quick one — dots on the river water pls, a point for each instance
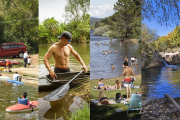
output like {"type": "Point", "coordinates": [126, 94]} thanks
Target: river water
{"type": "Point", "coordinates": [159, 81]}
{"type": "Point", "coordinates": [101, 63]}
{"type": "Point", "coordinates": [11, 92]}
{"type": "Point", "coordinates": [69, 103]}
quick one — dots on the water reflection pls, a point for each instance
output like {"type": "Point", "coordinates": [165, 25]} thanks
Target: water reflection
{"type": "Point", "coordinates": [60, 108]}
{"type": "Point", "coordinates": [159, 81]}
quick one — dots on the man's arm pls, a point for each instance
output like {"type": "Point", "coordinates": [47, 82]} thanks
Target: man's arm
{"type": "Point", "coordinates": [77, 56]}
{"type": "Point", "coordinates": [123, 72]}
{"type": "Point", "coordinates": [46, 62]}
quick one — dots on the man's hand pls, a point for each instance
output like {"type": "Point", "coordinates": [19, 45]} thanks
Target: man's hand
{"type": "Point", "coordinates": [52, 74]}
{"type": "Point", "coordinates": [85, 69]}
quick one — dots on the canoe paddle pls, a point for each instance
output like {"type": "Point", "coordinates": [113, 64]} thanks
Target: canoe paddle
{"type": "Point", "coordinates": [61, 91]}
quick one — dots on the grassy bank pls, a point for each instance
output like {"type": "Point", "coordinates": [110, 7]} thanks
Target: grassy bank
{"type": "Point", "coordinates": [106, 112]}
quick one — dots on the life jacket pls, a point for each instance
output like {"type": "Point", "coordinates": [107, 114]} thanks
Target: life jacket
{"type": "Point", "coordinates": [23, 101]}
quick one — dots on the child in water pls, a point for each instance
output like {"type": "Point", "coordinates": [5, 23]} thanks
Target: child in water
{"type": "Point", "coordinates": [24, 100]}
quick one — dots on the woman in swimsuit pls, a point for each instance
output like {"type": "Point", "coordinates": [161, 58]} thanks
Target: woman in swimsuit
{"type": "Point", "coordinates": [104, 99]}
{"type": "Point", "coordinates": [116, 86]}
{"type": "Point", "coordinates": [101, 85]}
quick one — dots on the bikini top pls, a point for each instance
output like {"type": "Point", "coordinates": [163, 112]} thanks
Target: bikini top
{"type": "Point", "coordinates": [102, 84]}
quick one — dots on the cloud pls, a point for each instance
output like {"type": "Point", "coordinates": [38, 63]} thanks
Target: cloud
{"type": "Point", "coordinates": [102, 11]}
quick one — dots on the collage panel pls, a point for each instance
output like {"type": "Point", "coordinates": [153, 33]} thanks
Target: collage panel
{"type": "Point", "coordinates": [18, 60]}
{"type": "Point", "coordinates": [64, 50]}
{"type": "Point", "coordinates": [115, 60]}
{"type": "Point", "coordinates": [160, 60]}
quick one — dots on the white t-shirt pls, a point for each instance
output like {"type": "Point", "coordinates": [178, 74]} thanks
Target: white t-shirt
{"type": "Point", "coordinates": [29, 60]}
{"type": "Point", "coordinates": [25, 55]}
{"type": "Point", "coordinates": [132, 58]}
{"type": "Point", "coordinates": [15, 76]}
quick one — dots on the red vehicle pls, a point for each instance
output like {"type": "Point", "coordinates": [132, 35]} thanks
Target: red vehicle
{"type": "Point", "coordinates": [12, 49]}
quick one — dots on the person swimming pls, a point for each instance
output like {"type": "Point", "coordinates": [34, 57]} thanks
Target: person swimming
{"type": "Point", "coordinates": [116, 51]}
{"type": "Point", "coordinates": [110, 51]}
{"type": "Point", "coordinates": [112, 66]}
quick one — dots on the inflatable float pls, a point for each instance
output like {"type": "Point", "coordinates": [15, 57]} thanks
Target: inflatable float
{"type": "Point", "coordinates": [14, 81]}
{"type": "Point", "coordinates": [23, 108]}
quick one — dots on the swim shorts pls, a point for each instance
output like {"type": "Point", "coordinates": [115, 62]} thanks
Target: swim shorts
{"type": "Point", "coordinates": [59, 70]}
{"type": "Point", "coordinates": [127, 85]}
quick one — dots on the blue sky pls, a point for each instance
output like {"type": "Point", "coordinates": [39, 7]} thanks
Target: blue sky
{"type": "Point", "coordinates": [161, 30]}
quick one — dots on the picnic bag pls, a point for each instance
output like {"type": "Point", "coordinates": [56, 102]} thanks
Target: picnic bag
{"type": "Point", "coordinates": [118, 97]}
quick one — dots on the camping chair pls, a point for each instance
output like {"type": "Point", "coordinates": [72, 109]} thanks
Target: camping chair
{"type": "Point", "coordinates": [135, 102]}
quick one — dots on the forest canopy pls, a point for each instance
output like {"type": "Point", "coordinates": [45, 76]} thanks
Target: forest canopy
{"type": "Point", "coordinates": [19, 23]}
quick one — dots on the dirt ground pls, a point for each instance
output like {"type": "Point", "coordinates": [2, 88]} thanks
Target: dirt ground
{"type": "Point", "coordinates": [32, 71]}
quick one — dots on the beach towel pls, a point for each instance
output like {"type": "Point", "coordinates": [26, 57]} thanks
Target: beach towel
{"type": "Point", "coordinates": [96, 101]}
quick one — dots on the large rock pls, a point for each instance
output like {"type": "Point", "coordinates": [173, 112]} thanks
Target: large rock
{"type": "Point", "coordinates": [155, 60]}
{"type": "Point", "coordinates": [171, 58]}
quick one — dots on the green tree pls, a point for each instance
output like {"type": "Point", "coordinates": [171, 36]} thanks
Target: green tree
{"type": "Point", "coordinates": [22, 27]}
{"type": "Point", "coordinates": [127, 18]}
{"type": "Point", "coordinates": [76, 10]}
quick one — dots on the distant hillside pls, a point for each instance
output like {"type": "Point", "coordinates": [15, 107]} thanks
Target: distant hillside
{"type": "Point", "coordinates": [93, 20]}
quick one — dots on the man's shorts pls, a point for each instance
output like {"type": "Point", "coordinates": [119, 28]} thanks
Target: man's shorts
{"type": "Point", "coordinates": [59, 70]}
{"type": "Point", "coordinates": [127, 85]}
{"type": "Point", "coordinates": [29, 63]}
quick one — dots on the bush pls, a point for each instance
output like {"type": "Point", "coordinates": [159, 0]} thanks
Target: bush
{"type": "Point", "coordinates": [101, 30]}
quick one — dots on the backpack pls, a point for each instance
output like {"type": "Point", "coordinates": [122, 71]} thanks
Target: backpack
{"type": "Point", "coordinates": [118, 97]}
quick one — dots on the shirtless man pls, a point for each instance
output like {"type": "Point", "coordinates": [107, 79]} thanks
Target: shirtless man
{"type": "Point", "coordinates": [61, 51]}
{"type": "Point", "coordinates": [127, 80]}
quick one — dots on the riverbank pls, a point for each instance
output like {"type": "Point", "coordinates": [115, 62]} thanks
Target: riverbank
{"type": "Point", "coordinates": [107, 112]}
{"type": "Point", "coordinates": [29, 75]}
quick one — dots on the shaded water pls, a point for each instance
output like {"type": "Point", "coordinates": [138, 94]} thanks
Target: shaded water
{"type": "Point", "coordinates": [159, 81]}
{"type": "Point", "coordinates": [11, 92]}
{"type": "Point", "coordinates": [101, 63]}
{"type": "Point", "coordinates": [48, 110]}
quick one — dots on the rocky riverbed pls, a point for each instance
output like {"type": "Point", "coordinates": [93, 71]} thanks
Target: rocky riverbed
{"type": "Point", "coordinates": [161, 109]}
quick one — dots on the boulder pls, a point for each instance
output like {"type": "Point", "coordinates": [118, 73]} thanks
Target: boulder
{"type": "Point", "coordinates": [155, 60]}
{"type": "Point", "coordinates": [171, 58]}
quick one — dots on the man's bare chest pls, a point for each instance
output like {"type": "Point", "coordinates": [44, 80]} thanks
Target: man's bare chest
{"type": "Point", "coordinates": [61, 52]}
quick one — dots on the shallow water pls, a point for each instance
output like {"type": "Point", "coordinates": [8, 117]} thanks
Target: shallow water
{"type": "Point", "coordinates": [54, 109]}
{"type": "Point", "coordinates": [159, 81]}
{"type": "Point", "coordinates": [11, 92]}
{"type": "Point", "coordinates": [101, 63]}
